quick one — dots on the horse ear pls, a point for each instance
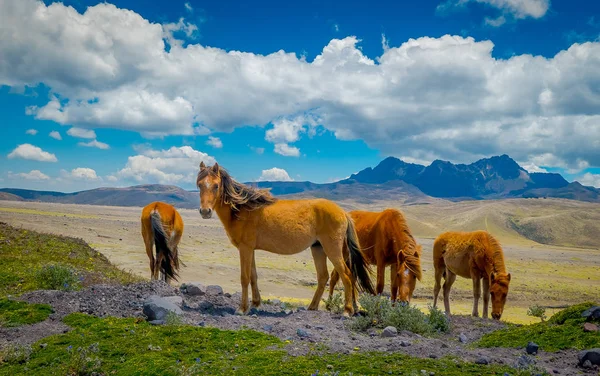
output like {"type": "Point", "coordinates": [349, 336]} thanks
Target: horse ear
{"type": "Point", "coordinates": [202, 166]}
{"type": "Point", "coordinates": [215, 168]}
{"type": "Point", "coordinates": [492, 276]}
{"type": "Point", "coordinates": [508, 277]}
{"type": "Point", "coordinates": [400, 257]}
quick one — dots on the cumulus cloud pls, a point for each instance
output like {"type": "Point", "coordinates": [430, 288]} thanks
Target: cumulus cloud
{"type": "Point", "coordinates": [171, 166]}
{"type": "Point", "coordinates": [188, 7]}
{"type": "Point", "coordinates": [81, 133]}
{"type": "Point", "coordinates": [532, 167]}
{"type": "Point", "coordinates": [590, 179]}
{"type": "Point", "coordinates": [31, 175]}
{"type": "Point", "coordinates": [275, 174]}
{"type": "Point", "coordinates": [32, 132]}
{"type": "Point", "coordinates": [94, 144]}
{"type": "Point", "coordinates": [55, 135]}
{"type": "Point", "coordinates": [215, 142]}
{"type": "Point", "coordinates": [427, 98]}
{"type": "Point", "coordinates": [31, 152]}
{"type": "Point", "coordinates": [518, 9]}
{"type": "Point", "coordinates": [81, 173]}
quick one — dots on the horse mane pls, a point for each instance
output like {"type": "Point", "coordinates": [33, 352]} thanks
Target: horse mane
{"type": "Point", "coordinates": [413, 263]}
{"type": "Point", "coordinates": [412, 252]}
{"type": "Point", "coordinates": [237, 195]}
{"type": "Point", "coordinates": [497, 255]}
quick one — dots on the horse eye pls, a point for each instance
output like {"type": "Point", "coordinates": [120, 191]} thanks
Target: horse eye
{"type": "Point", "coordinates": [216, 186]}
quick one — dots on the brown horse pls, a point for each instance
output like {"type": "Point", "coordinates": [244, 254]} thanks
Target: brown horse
{"type": "Point", "coordinates": [162, 227]}
{"type": "Point", "coordinates": [386, 240]}
{"type": "Point", "coordinates": [254, 219]}
{"type": "Point", "coordinates": [474, 255]}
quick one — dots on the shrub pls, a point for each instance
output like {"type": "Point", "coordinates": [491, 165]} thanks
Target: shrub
{"type": "Point", "coordinates": [15, 354]}
{"type": "Point", "coordinates": [57, 277]}
{"type": "Point", "coordinates": [83, 362]}
{"type": "Point", "coordinates": [438, 320]}
{"type": "Point", "coordinates": [537, 311]}
{"type": "Point", "coordinates": [173, 319]}
{"type": "Point", "coordinates": [573, 312]}
{"type": "Point", "coordinates": [334, 303]}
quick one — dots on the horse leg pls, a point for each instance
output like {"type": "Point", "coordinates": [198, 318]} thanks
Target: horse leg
{"type": "Point", "coordinates": [439, 273]}
{"type": "Point", "coordinates": [254, 284]}
{"type": "Point", "coordinates": [157, 265]}
{"type": "Point", "coordinates": [322, 276]}
{"type": "Point", "coordinates": [476, 293]}
{"type": "Point", "coordinates": [333, 280]}
{"type": "Point", "coordinates": [394, 281]}
{"type": "Point", "coordinates": [334, 250]}
{"type": "Point", "coordinates": [380, 276]}
{"type": "Point", "coordinates": [246, 257]}
{"type": "Point", "coordinates": [450, 278]}
{"type": "Point", "coordinates": [486, 296]}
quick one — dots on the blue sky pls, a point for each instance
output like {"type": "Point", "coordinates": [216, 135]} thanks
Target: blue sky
{"type": "Point", "coordinates": [140, 92]}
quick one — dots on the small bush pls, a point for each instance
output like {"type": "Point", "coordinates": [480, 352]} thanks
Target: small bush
{"type": "Point", "coordinates": [573, 312]}
{"type": "Point", "coordinates": [173, 319]}
{"type": "Point", "coordinates": [83, 361]}
{"type": "Point", "coordinates": [537, 311]}
{"type": "Point", "coordinates": [57, 277]}
{"type": "Point", "coordinates": [334, 303]}
{"type": "Point", "coordinates": [15, 354]}
{"type": "Point", "coordinates": [438, 320]}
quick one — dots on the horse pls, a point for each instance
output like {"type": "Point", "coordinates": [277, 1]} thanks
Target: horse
{"type": "Point", "coordinates": [386, 240]}
{"type": "Point", "coordinates": [254, 219]}
{"type": "Point", "coordinates": [162, 227]}
{"type": "Point", "coordinates": [475, 255]}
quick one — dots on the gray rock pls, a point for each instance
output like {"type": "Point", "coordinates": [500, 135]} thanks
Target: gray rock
{"type": "Point", "coordinates": [319, 327]}
{"type": "Point", "coordinates": [524, 362]}
{"type": "Point", "coordinates": [482, 360]}
{"type": "Point", "coordinates": [389, 331]}
{"type": "Point", "coordinates": [587, 364]}
{"type": "Point", "coordinates": [593, 356]}
{"type": "Point", "coordinates": [202, 323]}
{"type": "Point", "coordinates": [268, 328]}
{"type": "Point", "coordinates": [156, 322]}
{"type": "Point", "coordinates": [433, 356]}
{"type": "Point", "coordinates": [302, 333]}
{"type": "Point", "coordinates": [177, 300]}
{"type": "Point", "coordinates": [205, 305]}
{"type": "Point", "coordinates": [276, 302]}
{"type": "Point", "coordinates": [463, 338]}
{"type": "Point", "coordinates": [301, 309]}
{"type": "Point", "coordinates": [195, 289]}
{"type": "Point", "coordinates": [157, 308]}
{"type": "Point", "coordinates": [214, 290]}
{"type": "Point", "coordinates": [592, 313]}
{"type": "Point", "coordinates": [405, 343]}
{"type": "Point", "coordinates": [532, 348]}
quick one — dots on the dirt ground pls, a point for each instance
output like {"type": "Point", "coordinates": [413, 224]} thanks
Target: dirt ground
{"type": "Point", "coordinates": [545, 275]}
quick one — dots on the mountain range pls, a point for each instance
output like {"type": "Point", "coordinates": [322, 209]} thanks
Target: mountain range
{"type": "Point", "coordinates": [392, 179]}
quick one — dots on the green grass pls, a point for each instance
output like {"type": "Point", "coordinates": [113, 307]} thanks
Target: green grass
{"type": "Point", "coordinates": [564, 330]}
{"type": "Point", "coordinates": [24, 254]}
{"type": "Point", "coordinates": [132, 347]}
{"type": "Point", "coordinates": [16, 313]}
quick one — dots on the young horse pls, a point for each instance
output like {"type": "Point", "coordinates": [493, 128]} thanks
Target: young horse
{"type": "Point", "coordinates": [253, 219]}
{"type": "Point", "coordinates": [162, 226]}
{"type": "Point", "coordinates": [386, 240]}
{"type": "Point", "coordinates": [473, 255]}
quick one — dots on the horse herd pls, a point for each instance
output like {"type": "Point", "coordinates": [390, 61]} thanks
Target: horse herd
{"type": "Point", "coordinates": [254, 219]}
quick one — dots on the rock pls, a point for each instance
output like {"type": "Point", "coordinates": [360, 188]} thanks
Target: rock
{"type": "Point", "coordinates": [268, 328]}
{"type": "Point", "coordinates": [157, 308]}
{"type": "Point", "coordinates": [462, 338]}
{"type": "Point", "coordinates": [592, 313]}
{"type": "Point", "coordinates": [195, 289]}
{"type": "Point", "coordinates": [589, 327]}
{"type": "Point", "coordinates": [389, 331]}
{"type": "Point", "coordinates": [156, 322]}
{"type": "Point", "coordinates": [405, 343]}
{"type": "Point", "coordinates": [329, 366]}
{"type": "Point", "coordinates": [43, 345]}
{"type": "Point", "coordinates": [177, 300]}
{"type": "Point", "coordinates": [302, 333]}
{"type": "Point", "coordinates": [214, 290]}
{"type": "Point", "coordinates": [205, 305]}
{"type": "Point", "coordinates": [202, 323]}
{"type": "Point", "coordinates": [301, 309]}
{"type": "Point", "coordinates": [524, 362]}
{"type": "Point", "coordinates": [587, 364]}
{"type": "Point", "coordinates": [319, 327]}
{"type": "Point", "coordinates": [482, 360]}
{"type": "Point", "coordinates": [276, 302]}
{"type": "Point", "coordinates": [433, 356]}
{"type": "Point", "coordinates": [532, 348]}
{"type": "Point", "coordinates": [593, 356]}
{"type": "Point", "coordinates": [444, 346]}
{"type": "Point", "coordinates": [556, 372]}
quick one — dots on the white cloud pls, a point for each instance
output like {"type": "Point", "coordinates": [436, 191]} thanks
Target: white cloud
{"type": "Point", "coordinates": [81, 133]}
{"type": "Point", "coordinates": [81, 173]}
{"type": "Point", "coordinates": [32, 132]}
{"type": "Point", "coordinates": [188, 7]}
{"type": "Point", "coordinates": [55, 135]}
{"type": "Point", "coordinates": [532, 167]}
{"type": "Point", "coordinates": [31, 175]}
{"type": "Point", "coordinates": [31, 152]}
{"type": "Point", "coordinates": [590, 179]}
{"type": "Point", "coordinates": [518, 9]}
{"type": "Point", "coordinates": [171, 166]}
{"type": "Point", "coordinates": [287, 150]}
{"type": "Point", "coordinates": [94, 144]}
{"type": "Point", "coordinates": [275, 174]}
{"type": "Point", "coordinates": [426, 98]}
{"type": "Point", "coordinates": [215, 142]}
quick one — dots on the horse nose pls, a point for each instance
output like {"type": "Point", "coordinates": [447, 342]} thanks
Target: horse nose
{"type": "Point", "coordinates": [206, 212]}
{"type": "Point", "coordinates": [496, 316]}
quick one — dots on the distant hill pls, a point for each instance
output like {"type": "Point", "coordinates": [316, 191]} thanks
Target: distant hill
{"type": "Point", "coordinates": [391, 180]}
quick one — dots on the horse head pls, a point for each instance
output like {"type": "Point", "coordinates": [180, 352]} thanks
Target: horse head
{"type": "Point", "coordinates": [408, 272]}
{"type": "Point", "coordinates": [209, 182]}
{"type": "Point", "coordinates": [498, 291]}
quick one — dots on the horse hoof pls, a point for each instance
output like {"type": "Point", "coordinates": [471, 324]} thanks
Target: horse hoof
{"type": "Point", "coordinates": [240, 312]}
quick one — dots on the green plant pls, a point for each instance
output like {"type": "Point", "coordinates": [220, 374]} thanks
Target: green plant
{"type": "Point", "coordinates": [173, 319]}
{"type": "Point", "coordinates": [15, 354]}
{"type": "Point", "coordinates": [57, 277]}
{"type": "Point", "coordinates": [16, 313]}
{"type": "Point", "coordinates": [537, 311]}
{"type": "Point", "coordinates": [438, 320]}
{"type": "Point", "coordinates": [334, 303]}
{"type": "Point", "coordinates": [83, 361]}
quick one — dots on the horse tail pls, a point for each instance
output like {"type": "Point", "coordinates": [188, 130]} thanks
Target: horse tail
{"type": "Point", "coordinates": [358, 265]}
{"type": "Point", "coordinates": [169, 261]}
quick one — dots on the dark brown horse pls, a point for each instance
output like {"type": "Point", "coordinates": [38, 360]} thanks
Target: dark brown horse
{"type": "Point", "coordinates": [385, 240]}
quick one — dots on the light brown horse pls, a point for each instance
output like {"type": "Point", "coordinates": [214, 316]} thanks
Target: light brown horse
{"type": "Point", "coordinates": [162, 227]}
{"type": "Point", "coordinates": [254, 219]}
{"type": "Point", "coordinates": [475, 255]}
{"type": "Point", "coordinates": [386, 240]}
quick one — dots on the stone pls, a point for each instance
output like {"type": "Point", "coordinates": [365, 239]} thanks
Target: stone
{"type": "Point", "coordinates": [389, 331]}
{"type": "Point", "coordinates": [405, 343]}
{"type": "Point", "coordinates": [195, 289]}
{"type": "Point", "coordinates": [592, 313]}
{"type": "Point", "coordinates": [433, 356]}
{"type": "Point", "coordinates": [482, 360]}
{"type": "Point", "coordinates": [157, 308]}
{"type": "Point", "coordinates": [319, 327]}
{"type": "Point", "coordinates": [524, 362]}
{"type": "Point", "coordinates": [177, 300]}
{"type": "Point", "coordinates": [532, 348]}
{"type": "Point", "coordinates": [587, 364]}
{"type": "Point", "coordinates": [276, 302]}
{"type": "Point", "coordinates": [589, 327]}
{"type": "Point", "coordinates": [593, 356]}
{"type": "Point", "coordinates": [302, 333]}
{"type": "Point", "coordinates": [462, 338]}
{"type": "Point", "coordinates": [202, 324]}
{"type": "Point", "coordinates": [268, 328]}
{"type": "Point", "coordinates": [444, 346]}
{"type": "Point", "coordinates": [156, 322]}
{"type": "Point", "coordinates": [205, 305]}
{"type": "Point", "coordinates": [214, 290]}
